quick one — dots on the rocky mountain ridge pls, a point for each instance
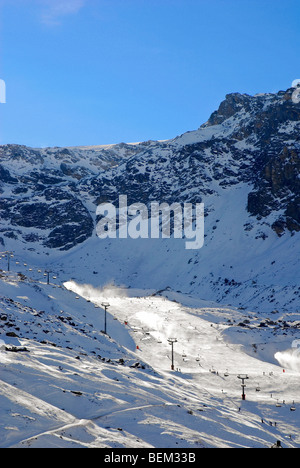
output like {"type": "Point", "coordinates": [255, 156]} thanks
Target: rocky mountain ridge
{"type": "Point", "coordinates": [40, 193]}
{"type": "Point", "coordinates": [249, 139]}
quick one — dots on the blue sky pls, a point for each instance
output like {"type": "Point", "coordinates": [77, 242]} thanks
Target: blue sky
{"type": "Point", "coordinates": [90, 72]}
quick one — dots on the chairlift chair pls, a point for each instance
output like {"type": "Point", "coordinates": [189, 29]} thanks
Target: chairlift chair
{"type": "Point", "coordinates": [293, 407]}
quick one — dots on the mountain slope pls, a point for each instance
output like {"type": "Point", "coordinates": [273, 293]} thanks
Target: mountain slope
{"type": "Point", "coordinates": [243, 164]}
{"type": "Point", "coordinates": [64, 384]}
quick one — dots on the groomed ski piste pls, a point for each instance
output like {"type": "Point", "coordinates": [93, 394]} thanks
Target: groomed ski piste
{"type": "Point", "coordinates": [64, 383]}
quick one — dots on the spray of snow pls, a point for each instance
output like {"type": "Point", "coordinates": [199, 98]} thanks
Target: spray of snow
{"type": "Point", "coordinates": [289, 359]}
{"type": "Point", "coordinates": [88, 291]}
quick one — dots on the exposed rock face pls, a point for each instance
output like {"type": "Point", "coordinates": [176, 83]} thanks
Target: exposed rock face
{"type": "Point", "coordinates": [41, 202]}
{"type": "Point", "coordinates": [250, 139]}
{"type": "Point", "coordinates": [271, 122]}
{"type": "Point", "coordinates": [50, 195]}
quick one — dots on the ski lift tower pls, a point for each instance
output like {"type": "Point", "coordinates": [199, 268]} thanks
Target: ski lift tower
{"type": "Point", "coordinates": [8, 255]}
{"type": "Point", "coordinates": [105, 305]}
{"type": "Point", "coordinates": [171, 342]}
{"type": "Point", "coordinates": [47, 273]}
{"type": "Point", "coordinates": [243, 377]}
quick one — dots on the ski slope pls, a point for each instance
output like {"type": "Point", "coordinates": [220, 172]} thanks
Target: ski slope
{"type": "Point", "coordinates": [64, 383]}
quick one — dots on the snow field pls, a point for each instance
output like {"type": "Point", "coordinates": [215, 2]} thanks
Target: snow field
{"type": "Point", "coordinates": [73, 386]}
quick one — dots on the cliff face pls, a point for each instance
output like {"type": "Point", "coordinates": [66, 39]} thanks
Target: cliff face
{"type": "Point", "coordinates": [271, 123]}
{"type": "Point", "coordinates": [41, 202]}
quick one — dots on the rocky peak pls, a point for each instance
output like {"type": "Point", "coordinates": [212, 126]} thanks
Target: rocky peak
{"type": "Point", "coordinates": [257, 111]}
{"type": "Point", "coordinates": [270, 123]}
{"type": "Point", "coordinates": [233, 104]}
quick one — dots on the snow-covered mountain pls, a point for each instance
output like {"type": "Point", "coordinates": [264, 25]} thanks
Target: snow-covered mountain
{"type": "Point", "coordinates": [243, 164]}
{"type": "Point", "coordinates": [233, 305]}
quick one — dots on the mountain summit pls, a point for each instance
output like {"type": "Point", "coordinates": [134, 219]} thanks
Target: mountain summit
{"type": "Point", "coordinates": [271, 123]}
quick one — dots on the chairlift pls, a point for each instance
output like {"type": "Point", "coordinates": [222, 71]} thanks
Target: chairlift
{"type": "Point", "coordinates": [257, 389]}
{"type": "Point", "coordinates": [183, 355]}
{"type": "Point", "coordinates": [226, 374]}
{"type": "Point", "coordinates": [278, 405]}
{"type": "Point", "coordinates": [293, 407]}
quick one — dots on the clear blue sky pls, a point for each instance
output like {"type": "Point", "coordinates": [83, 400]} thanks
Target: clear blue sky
{"type": "Point", "coordinates": [89, 72]}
